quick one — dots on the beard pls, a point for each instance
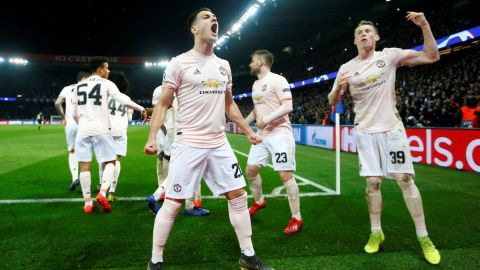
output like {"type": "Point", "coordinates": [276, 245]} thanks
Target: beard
{"type": "Point", "coordinates": [254, 71]}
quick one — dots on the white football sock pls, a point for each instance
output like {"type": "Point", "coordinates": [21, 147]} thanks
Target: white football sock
{"type": "Point", "coordinates": [162, 227]}
{"type": "Point", "coordinates": [158, 193]}
{"type": "Point", "coordinates": [107, 178]}
{"type": "Point", "coordinates": [413, 200]}
{"type": "Point", "coordinates": [240, 220]}
{"type": "Point", "coordinates": [189, 204]}
{"type": "Point", "coordinates": [85, 181]}
{"type": "Point", "coordinates": [116, 174]}
{"type": "Point", "coordinates": [198, 193]}
{"type": "Point", "coordinates": [373, 195]}
{"type": "Point", "coordinates": [73, 165]}
{"type": "Point", "coordinates": [293, 198]}
{"type": "Point", "coordinates": [255, 184]}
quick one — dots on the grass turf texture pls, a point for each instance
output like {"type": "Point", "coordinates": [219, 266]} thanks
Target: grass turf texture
{"type": "Point", "coordinates": [33, 164]}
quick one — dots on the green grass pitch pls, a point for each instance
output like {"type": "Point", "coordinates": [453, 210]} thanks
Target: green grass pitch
{"type": "Point", "coordinates": [58, 235]}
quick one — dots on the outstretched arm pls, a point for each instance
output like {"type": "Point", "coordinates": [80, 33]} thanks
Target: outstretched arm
{"type": "Point", "coordinates": [430, 53]}
{"type": "Point", "coordinates": [124, 99]}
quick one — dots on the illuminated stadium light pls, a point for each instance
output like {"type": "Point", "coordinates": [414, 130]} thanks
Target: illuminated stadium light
{"type": "Point", "coordinates": [17, 61]}
{"type": "Point", "coordinates": [237, 26]}
{"type": "Point", "coordinates": [159, 64]}
{"type": "Point", "coordinates": [2, 60]}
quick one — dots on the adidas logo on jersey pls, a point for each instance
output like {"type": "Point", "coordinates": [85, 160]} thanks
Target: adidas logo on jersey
{"type": "Point", "coordinates": [196, 72]}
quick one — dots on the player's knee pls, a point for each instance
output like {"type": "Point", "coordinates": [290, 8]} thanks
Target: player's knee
{"type": "Point", "coordinates": [234, 193]}
{"type": "Point", "coordinates": [252, 171]}
{"type": "Point", "coordinates": [373, 184]}
{"type": "Point", "coordinates": [404, 181]}
{"type": "Point", "coordinates": [286, 176]}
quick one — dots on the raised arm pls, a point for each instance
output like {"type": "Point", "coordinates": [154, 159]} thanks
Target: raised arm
{"type": "Point", "coordinates": [430, 53]}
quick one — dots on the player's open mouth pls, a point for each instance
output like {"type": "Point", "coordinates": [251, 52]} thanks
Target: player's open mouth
{"type": "Point", "coordinates": [214, 28]}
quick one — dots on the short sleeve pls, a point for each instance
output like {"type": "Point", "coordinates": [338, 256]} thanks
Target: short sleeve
{"type": "Point", "coordinates": [282, 89]}
{"type": "Point", "coordinates": [340, 70]}
{"type": "Point", "coordinates": [229, 77]}
{"type": "Point", "coordinates": [398, 55]}
{"type": "Point", "coordinates": [156, 95]}
{"type": "Point", "coordinates": [112, 89]}
{"type": "Point", "coordinates": [64, 91]}
{"type": "Point", "coordinates": [171, 76]}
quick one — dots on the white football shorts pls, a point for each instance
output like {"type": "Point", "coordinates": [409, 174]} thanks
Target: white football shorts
{"type": "Point", "coordinates": [280, 147]}
{"type": "Point", "coordinates": [70, 133]}
{"type": "Point", "coordinates": [384, 153]}
{"type": "Point", "coordinates": [219, 168]}
{"type": "Point", "coordinates": [120, 145]}
{"type": "Point", "coordinates": [101, 145]}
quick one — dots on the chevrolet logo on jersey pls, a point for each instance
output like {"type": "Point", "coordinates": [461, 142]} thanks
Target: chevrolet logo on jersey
{"type": "Point", "coordinates": [371, 82]}
{"type": "Point", "coordinates": [258, 99]}
{"type": "Point", "coordinates": [213, 87]}
{"type": "Point", "coordinates": [372, 79]}
{"type": "Point", "coordinates": [212, 84]}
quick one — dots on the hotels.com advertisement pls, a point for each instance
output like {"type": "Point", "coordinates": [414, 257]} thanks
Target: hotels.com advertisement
{"type": "Point", "coordinates": [454, 148]}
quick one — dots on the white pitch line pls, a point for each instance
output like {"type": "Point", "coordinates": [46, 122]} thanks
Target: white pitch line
{"type": "Point", "coordinates": [303, 179]}
{"type": "Point", "coordinates": [130, 199]}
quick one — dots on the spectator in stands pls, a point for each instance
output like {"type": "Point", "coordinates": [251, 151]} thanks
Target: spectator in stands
{"type": "Point", "coordinates": [468, 115]}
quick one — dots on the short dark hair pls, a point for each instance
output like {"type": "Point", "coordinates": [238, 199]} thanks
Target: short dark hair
{"type": "Point", "coordinates": [82, 74]}
{"type": "Point", "coordinates": [365, 22]}
{"type": "Point", "coordinates": [120, 80]}
{"type": "Point", "coordinates": [266, 55]}
{"type": "Point", "coordinates": [97, 62]}
{"type": "Point", "coordinates": [193, 16]}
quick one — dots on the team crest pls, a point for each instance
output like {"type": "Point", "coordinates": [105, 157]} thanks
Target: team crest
{"type": "Point", "coordinates": [380, 63]}
{"type": "Point", "coordinates": [223, 71]}
{"type": "Point", "coordinates": [177, 188]}
{"type": "Point", "coordinates": [264, 88]}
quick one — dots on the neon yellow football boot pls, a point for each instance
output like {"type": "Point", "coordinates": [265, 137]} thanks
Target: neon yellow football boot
{"type": "Point", "coordinates": [429, 251]}
{"type": "Point", "coordinates": [373, 245]}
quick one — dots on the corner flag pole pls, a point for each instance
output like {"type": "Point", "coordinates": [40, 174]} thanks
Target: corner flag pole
{"type": "Point", "coordinates": [337, 153]}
